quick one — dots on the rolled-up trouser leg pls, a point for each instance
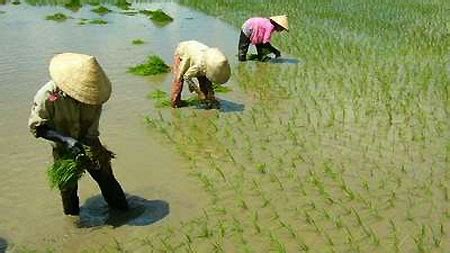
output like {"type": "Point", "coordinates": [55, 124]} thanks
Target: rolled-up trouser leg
{"type": "Point", "coordinates": [110, 188]}
{"type": "Point", "coordinates": [177, 83]}
{"type": "Point", "coordinates": [244, 43]}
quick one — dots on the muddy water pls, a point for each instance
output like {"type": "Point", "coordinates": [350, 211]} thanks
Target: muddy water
{"type": "Point", "coordinates": [153, 175]}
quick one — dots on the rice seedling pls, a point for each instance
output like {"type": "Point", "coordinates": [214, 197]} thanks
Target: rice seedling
{"type": "Point", "coordinates": [65, 172]}
{"type": "Point", "coordinates": [101, 10]}
{"type": "Point", "coordinates": [221, 88]}
{"type": "Point", "coordinates": [255, 222]}
{"type": "Point", "coordinates": [152, 66]}
{"type": "Point", "coordinates": [97, 21]}
{"type": "Point", "coordinates": [277, 245]}
{"type": "Point", "coordinates": [57, 17]}
{"type": "Point", "coordinates": [157, 16]}
{"type": "Point", "coordinates": [122, 4]}
{"type": "Point", "coordinates": [137, 42]}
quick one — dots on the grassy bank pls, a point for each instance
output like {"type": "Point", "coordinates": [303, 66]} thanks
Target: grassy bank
{"type": "Point", "coordinates": [347, 151]}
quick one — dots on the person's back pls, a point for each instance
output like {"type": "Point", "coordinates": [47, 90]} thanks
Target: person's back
{"type": "Point", "coordinates": [258, 31]}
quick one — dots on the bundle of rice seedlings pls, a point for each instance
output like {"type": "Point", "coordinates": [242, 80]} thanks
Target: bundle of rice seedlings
{"type": "Point", "coordinates": [101, 10]}
{"type": "Point", "coordinates": [138, 42]}
{"type": "Point", "coordinates": [64, 172]}
{"type": "Point", "coordinates": [153, 66]}
{"type": "Point", "coordinates": [157, 16]}
{"type": "Point", "coordinates": [58, 17]}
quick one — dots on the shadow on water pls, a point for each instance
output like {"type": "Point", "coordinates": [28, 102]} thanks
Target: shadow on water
{"type": "Point", "coordinates": [284, 61]}
{"type": "Point", "coordinates": [229, 106]}
{"type": "Point", "coordinates": [95, 212]}
{"type": "Point", "coordinates": [3, 245]}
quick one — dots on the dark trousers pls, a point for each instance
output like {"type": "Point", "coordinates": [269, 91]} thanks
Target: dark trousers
{"type": "Point", "coordinates": [110, 188]}
{"type": "Point", "coordinates": [244, 43]}
{"type": "Point", "coordinates": [261, 49]}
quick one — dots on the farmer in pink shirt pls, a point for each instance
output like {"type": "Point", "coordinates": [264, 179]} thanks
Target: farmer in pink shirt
{"type": "Point", "coordinates": [258, 31]}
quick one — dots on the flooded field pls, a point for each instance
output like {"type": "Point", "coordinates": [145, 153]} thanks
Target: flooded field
{"type": "Point", "coordinates": [154, 175]}
{"type": "Point", "coordinates": [341, 146]}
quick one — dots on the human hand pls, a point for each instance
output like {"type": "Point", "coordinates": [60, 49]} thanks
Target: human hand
{"type": "Point", "coordinates": [75, 147]}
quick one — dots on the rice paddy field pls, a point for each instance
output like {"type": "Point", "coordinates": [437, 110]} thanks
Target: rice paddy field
{"type": "Point", "coordinates": [342, 145]}
{"type": "Point", "coordinates": [347, 151]}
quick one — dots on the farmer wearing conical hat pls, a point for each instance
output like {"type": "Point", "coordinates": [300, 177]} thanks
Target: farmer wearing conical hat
{"type": "Point", "coordinates": [66, 111]}
{"type": "Point", "coordinates": [193, 59]}
{"type": "Point", "coordinates": [258, 31]}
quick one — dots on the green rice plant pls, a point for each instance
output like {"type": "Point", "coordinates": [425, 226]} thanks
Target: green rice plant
{"type": "Point", "coordinates": [93, 22]}
{"type": "Point", "coordinates": [205, 231]}
{"type": "Point", "coordinates": [123, 4]}
{"type": "Point", "coordinates": [137, 42]}
{"type": "Point", "coordinates": [64, 172]}
{"type": "Point", "coordinates": [288, 228]}
{"type": "Point", "coordinates": [152, 66]}
{"type": "Point", "coordinates": [262, 168]}
{"type": "Point", "coordinates": [419, 240]}
{"type": "Point", "coordinates": [58, 17]}
{"type": "Point", "coordinates": [255, 222]}
{"type": "Point", "coordinates": [220, 88]}
{"type": "Point", "coordinates": [101, 10]}
{"type": "Point", "coordinates": [277, 245]}
{"type": "Point", "coordinates": [158, 16]}
{"type": "Point", "coordinates": [160, 97]}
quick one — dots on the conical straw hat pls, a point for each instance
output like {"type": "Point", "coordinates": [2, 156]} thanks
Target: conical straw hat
{"type": "Point", "coordinates": [282, 21]}
{"type": "Point", "coordinates": [217, 66]}
{"type": "Point", "coordinates": [81, 77]}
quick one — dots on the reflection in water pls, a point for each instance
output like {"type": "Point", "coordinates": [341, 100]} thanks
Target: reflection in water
{"type": "Point", "coordinates": [95, 212]}
{"type": "Point", "coordinates": [3, 245]}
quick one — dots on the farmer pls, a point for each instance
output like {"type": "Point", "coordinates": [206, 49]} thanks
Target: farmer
{"type": "Point", "coordinates": [66, 111]}
{"type": "Point", "coordinates": [193, 59]}
{"type": "Point", "coordinates": [258, 31]}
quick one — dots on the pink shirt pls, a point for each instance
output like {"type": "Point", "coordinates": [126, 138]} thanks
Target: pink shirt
{"type": "Point", "coordinates": [259, 30]}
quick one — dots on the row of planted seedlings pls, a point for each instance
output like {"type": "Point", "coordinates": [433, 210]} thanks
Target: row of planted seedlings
{"type": "Point", "coordinates": [277, 172]}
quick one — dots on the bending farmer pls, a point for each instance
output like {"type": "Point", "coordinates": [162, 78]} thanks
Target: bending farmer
{"type": "Point", "coordinates": [193, 59]}
{"type": "Point", "coordinates": [67, 111]}
{"type": "Point", "coordinates": [258, 31]}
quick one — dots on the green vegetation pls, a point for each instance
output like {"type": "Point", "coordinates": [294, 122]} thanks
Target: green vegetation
{"type": "Point", "coordinates": [157, 16]}
{"type": "Point", "coordinates": [347, 152]}
{"type": "Point", "coordinates": [73, 5]}
{"type": "Point", "coordinates": [153, 66]}
{"type": "Point", "coordinates": [16, 2]}
{"type": "Point", "coordinates": [162, 99]}
{"type": "Point", "coordinates": [58, 17]}
{"type": "Point", "coordinates": [123, 4]}
{"type": "Point", "coordinates": [97, 22]}
{"type": "Point", "coordinates": [138, 42]}
{"type": "Point", "coordinates": [64, 172]}
{"type": "Point", "coordinates": [221, 89]}
{"type": "Point", "coordinates": [101, 10]}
